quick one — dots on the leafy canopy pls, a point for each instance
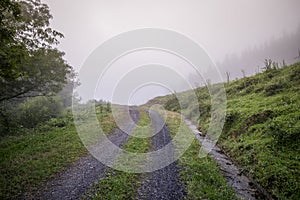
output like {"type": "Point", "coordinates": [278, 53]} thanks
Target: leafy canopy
{"type": "Point", "coordinates": [30, 65]}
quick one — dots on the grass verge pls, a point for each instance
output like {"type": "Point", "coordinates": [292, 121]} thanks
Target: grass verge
{"type": "Point", "coordinates": [27, 160]}
{"type": "Point", "coordinates": [262, 126]}
{"type": "Point", "coordinates": [201, 176]}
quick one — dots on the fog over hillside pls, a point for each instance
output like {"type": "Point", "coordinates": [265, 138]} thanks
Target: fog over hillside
{"type": "Point", "coordinates": [238, 35]}
{"type": "Point", "coordinates": [251, 60]}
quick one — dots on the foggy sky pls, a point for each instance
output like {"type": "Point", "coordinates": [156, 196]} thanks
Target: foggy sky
{"type": "Point", "coordinates": [222, 27]}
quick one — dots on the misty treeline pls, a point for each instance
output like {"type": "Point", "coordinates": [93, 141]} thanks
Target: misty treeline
{"type": "Point", "coordinates": [284, 50]}
{"type": "Point", "coordinates": [278, 52]}
{"type": "Point", "coordinates": [36, 82]}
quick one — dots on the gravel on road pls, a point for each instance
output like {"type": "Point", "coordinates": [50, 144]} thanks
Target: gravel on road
{"type": "Point", "coordinates": [76, 180]}
{"type": "Point", "coordinates": [163, 183]}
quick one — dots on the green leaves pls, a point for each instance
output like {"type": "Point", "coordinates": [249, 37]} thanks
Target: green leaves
{"type": "Point", "coordinates": [42, 73]}
{"type": "Point", "coordinates": [33, 28]}
{"type": "Point", "coordinates": [29, 65]}
{"type": "Point", "coordinates": [37, 110]}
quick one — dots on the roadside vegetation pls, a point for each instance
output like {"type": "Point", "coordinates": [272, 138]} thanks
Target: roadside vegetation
{"type": "Point", "coordinates": [38, 138]}
{"type": "Point", "coordinates": [200, 176]}
{"type": "Point", "coordinates": [37, 134]}
{"type": "Point", "coordinates": [30, 158]}
{"type": "Point", "coordinates": [262, 125]}
{"type": "Point", "coordinates": [119, 184]}
{"type": "Point", "coordinates": [36, 154]}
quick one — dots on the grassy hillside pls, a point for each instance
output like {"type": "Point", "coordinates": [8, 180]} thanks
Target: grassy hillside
{"type": "Point", "coordinates": [262, 126]}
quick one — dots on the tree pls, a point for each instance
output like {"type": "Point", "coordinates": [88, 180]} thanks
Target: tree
{"type": "Point", "coordinates": [283, 63]}
{"type": "Point", "coordinates": [27, 22]}
{"type": "Point", "coordinates": [9, 11]}
{"type": "Point", "coordinates": [298, 57]}
{"type": "Point", "coordinates": [268, 64]}
{"type": "Point", "coordinates": [66, 94]}
{"type": "Point", "coordinates": [227, 77]}
{"type": "Point", "coordinates": [244, 73]}
{"type": "Point", "coordinates": [43, 73]}
{"type": "Point", "coordinates": [12, 52]}
{"type": "Point", "coordinates": [29, 64]}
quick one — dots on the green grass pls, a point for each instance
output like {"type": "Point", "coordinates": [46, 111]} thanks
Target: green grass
{"type": "Point", "coordinates": [29, 159]}
{"type": "Point", "coordinates": [107, 122]}
{"type": "Point", "coordinates": [264, 140]}
{"type": "Point", "coordinates": [143, 129]}
{"type": "Point", "coordinates": [262, 126]}
{"type": "Point", "coordinates": [116, 185]}
{"type": "Point", "coordinates": [201, 176]}
{"type": "Point", "coordinates": [119, 184]}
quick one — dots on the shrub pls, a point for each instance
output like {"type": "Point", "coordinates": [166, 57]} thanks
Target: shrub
{"type": "Point", "coordinates": [63, 120]}
{"type": "Point", "coordinates": [8, 121]}
{"type": "Point", "coordinates": [172, 104]}
{"type": "Point", "coordinates": [37, 110]}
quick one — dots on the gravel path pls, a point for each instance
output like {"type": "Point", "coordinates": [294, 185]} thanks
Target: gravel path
{"type": "Point", "coordinates": [76, 180]}
{"type": "Point", "coordinates": [163, 183]}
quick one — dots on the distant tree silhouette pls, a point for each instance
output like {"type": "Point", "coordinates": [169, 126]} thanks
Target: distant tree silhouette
{"type": "Point", "coordinates": [298, 57]}
{"type": "Point", "coordinates": [279, 49]}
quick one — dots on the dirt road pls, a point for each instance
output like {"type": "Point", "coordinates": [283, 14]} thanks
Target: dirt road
{"type": "Point", "coordinates": [163, 183]}
{"type": "Point", "coordinates": [76, 180]}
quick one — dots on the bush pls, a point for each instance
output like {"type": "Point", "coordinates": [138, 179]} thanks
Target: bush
{"type": "Point", "coordinates": [172, 104]}
{"type": "Point", "coordinates": [38, 110]}
{"type": "Point", "coordinates": [61, 121]}
{"type": "Point", "coordinates": [8, 121]}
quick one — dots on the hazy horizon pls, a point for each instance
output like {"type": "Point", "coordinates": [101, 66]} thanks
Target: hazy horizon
{"type": "Point", "coordinates": [237, 35]}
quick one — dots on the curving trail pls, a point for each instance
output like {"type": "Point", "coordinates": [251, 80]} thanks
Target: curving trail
{"type": "Point", "coordinates": [164, 183]}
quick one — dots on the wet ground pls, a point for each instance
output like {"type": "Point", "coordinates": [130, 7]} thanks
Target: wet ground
{"type": "Point", "coordinates": [163, 183]}
{"type": "Point", "coordinates": [244, 187]}
{"type": "Point", "coordinates": [76, 180]}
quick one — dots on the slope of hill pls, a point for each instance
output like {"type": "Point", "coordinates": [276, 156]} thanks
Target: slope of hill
{"type": "Point", "coordinates": [262, 125]}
